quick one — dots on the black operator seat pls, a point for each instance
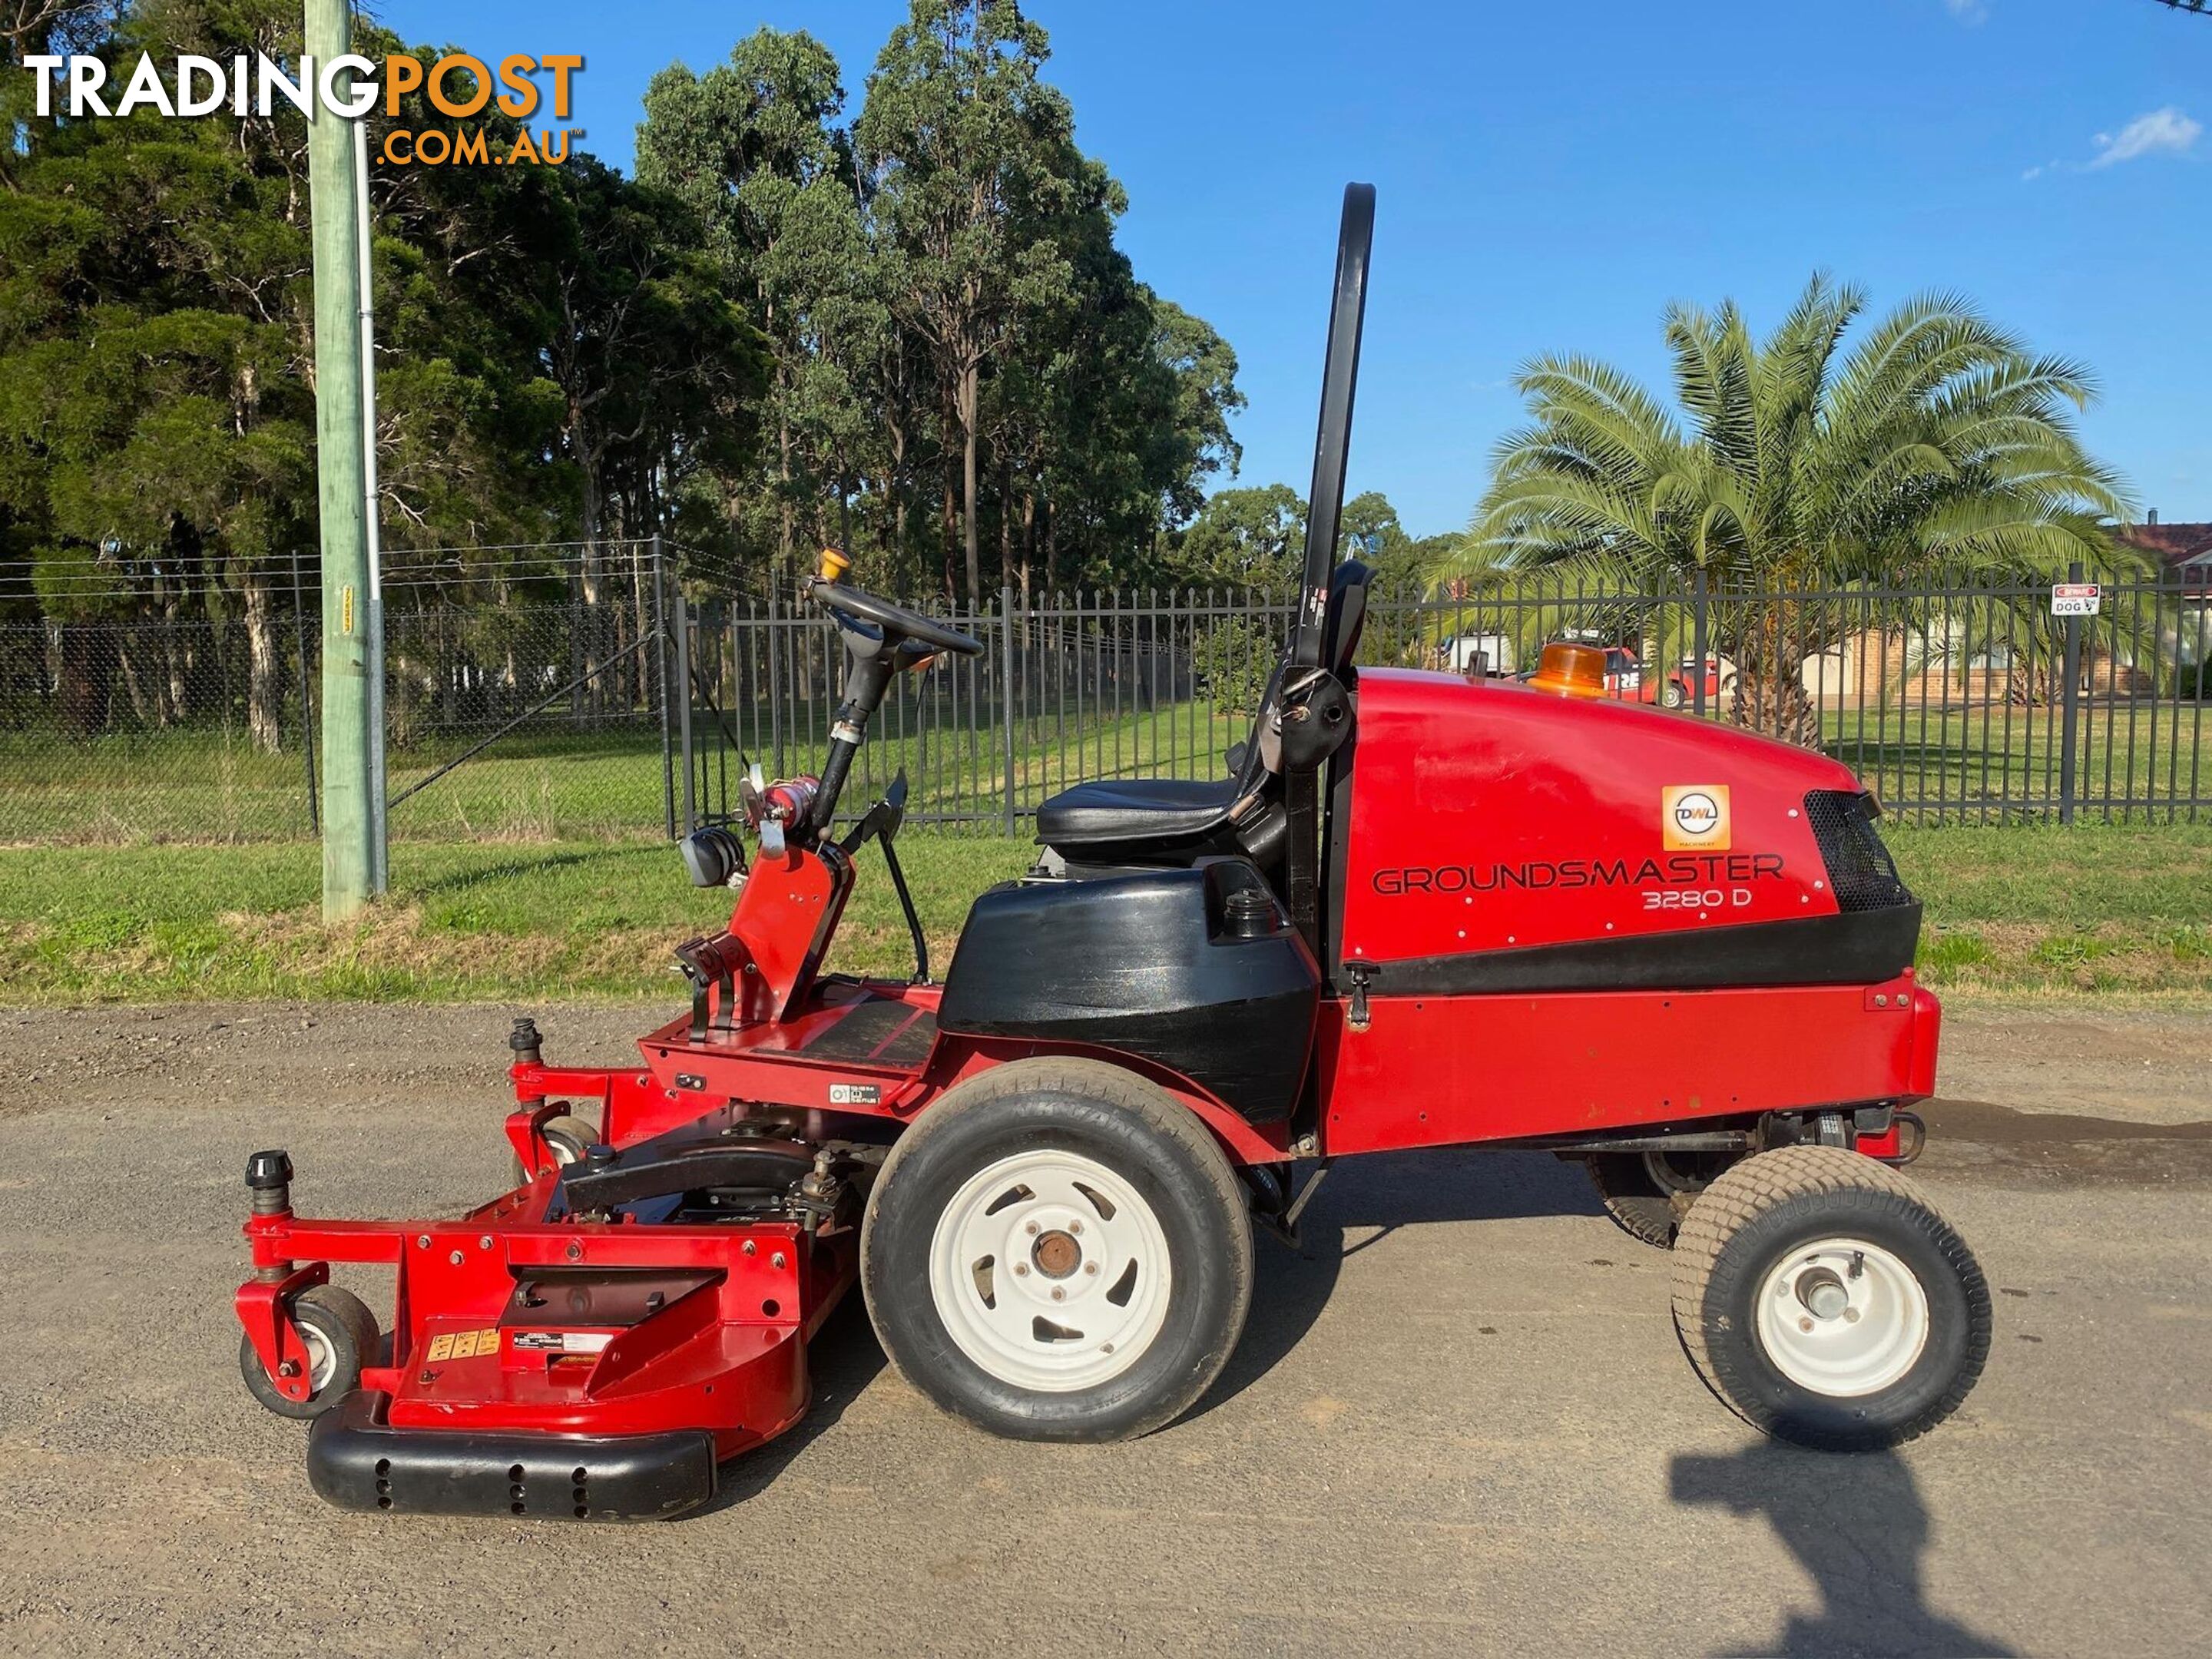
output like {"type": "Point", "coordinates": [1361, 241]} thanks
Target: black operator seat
{"type": "Point", "coordinates": [1123, 823]}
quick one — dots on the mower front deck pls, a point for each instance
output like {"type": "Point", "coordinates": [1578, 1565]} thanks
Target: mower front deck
{"type": "Point", "coordinates": [543, 1361]}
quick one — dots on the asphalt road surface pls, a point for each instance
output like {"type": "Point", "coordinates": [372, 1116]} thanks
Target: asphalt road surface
{"type": "Point", "coordinates": [1459, 1421]}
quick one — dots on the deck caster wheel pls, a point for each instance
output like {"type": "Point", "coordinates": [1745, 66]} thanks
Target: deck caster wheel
{"type": "Point", "coordinates": [1650, 1193]}
{"type": "Point", "coordinates": [1825, 1302]}
{"type": "Point", "coordinates": [342, 1337]}
{"type": "Point", "coordinates": [1057, 1251]}
{"type": "Point", "coordinates": [566, 1138]}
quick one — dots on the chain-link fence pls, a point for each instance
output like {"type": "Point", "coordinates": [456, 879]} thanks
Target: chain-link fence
{"type": "Point", "coordinates": [527, 692]}
{"type": "Point", "coordinates": [525, 697]}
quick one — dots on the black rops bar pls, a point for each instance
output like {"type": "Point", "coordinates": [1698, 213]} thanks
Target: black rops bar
{"type": "Point", "coordinates": [1340, 378]}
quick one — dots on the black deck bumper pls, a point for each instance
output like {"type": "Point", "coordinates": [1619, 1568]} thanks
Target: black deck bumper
{"type": "Point", "coordinates": [358, 1461]}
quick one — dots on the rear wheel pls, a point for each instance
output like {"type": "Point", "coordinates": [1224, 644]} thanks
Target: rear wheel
{"type": "Point", "coordinates": [340, 1335]}
{"type": "Point", "coordinates": [1674, 694]}
{"type": "Point", "coordinates": [1824, 1299]}
{"type": "Point", "coordinates": [1648, 1194]}
{"type": "Point", "coordinates": [1057, 1251]}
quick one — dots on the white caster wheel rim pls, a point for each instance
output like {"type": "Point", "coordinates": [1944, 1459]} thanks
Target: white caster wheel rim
{"type": "Point", "coordinates": [1842, 1317]}
{"type": "Point", "coordinates": [322, 1360]}
{"type": "Point", "coordinates": [1034, 1225]}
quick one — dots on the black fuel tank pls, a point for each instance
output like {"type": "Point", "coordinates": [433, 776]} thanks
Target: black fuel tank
{"type": "Point", "coordinates": [1198, 970]}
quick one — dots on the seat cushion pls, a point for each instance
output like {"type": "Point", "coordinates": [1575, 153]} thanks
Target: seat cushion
{"type": "Point", "coordinates": [1122, 810]}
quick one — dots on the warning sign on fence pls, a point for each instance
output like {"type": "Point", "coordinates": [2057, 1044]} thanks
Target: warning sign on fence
{"type": "Point", "coordinates": [2074, 599]}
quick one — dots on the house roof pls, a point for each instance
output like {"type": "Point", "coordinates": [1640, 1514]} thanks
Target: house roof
{"type": "Point", "coordinates": [2173, 544]}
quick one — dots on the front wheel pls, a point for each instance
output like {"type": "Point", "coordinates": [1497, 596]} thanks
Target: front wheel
{"type": "Point", "coordinates": [341, 1337]}
{"type": "Point", "coordinates": [1057, 1251]}
{"type": "Point", "coordinates": [1826, 1302]}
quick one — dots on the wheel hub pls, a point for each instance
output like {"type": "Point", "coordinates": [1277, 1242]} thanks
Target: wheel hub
{"type": "Point", "coordinates": [1823, 1294]}
{"type": "Point", "coordinates": [1842, 1317]}
{"type": "Point", "coordinates": [322, 1360]}
{"type": "Point", "coordinates": [1056, 1254]}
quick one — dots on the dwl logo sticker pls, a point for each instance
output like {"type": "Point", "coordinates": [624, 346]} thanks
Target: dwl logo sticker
{"type": "Point", "coordinates": [1694, 816]}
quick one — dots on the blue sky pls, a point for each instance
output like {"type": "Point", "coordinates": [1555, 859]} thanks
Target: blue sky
{"type": "Point", "coordinates": [1551, 175]}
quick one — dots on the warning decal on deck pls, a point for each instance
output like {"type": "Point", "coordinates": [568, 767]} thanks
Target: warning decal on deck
{"type": "Point", "coordinates": [465, 1344]}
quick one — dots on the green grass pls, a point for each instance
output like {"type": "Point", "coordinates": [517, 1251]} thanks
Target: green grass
{"type": "Point", "coordinates": [131, 924]}
{"type": "Point", "coordinates": [2022, 910]}
{"type": "Point", "coordinates": [2039, 908]}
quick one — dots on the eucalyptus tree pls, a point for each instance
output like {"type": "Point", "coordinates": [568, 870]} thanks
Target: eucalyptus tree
{"type": "Point", "coordinates": [969, 159]}
{"type": "Point", "coordinates": [754, 147]}
{"type": "Point", "coordinates": [1935, 444]}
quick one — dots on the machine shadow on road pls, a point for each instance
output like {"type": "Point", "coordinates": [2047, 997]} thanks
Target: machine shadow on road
{"type": "Point", "coordinates": [1858, 1526]}
{"type": "Point", "coordinates": [1386, 1191]}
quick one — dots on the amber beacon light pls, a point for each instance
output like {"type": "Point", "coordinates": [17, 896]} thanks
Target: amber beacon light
{"type": "Point", "coordinates": [1570, 671]}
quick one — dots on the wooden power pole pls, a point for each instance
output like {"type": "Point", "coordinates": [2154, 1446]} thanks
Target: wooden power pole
{"type": "Point", "coordinates": [353, 646]}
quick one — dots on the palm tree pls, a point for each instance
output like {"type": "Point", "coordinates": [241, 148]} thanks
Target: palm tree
{"type": "Point", "coordinates": [1938, 444]}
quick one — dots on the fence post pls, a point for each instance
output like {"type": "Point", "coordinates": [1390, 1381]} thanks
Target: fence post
{"type": "Point", "coordinates": [774, 682]}
{"type": "Point", "coordinates": [1697, 642]}
{"type": "Point", "coordinates": [2070, 709]}
{"type": "Point", "coordinates": [306, 704]}
{"type": "Point", "coordinates": [1006, 691]}
{"type": "Point", "coordinates": [684, 704]}
{"type": "Point", "coordinates": [660, 633]}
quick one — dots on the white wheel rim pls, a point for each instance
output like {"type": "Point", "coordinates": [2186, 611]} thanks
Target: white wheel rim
{"type": "Point", "coordinates": [322, 1360]}
{"type": "Point", "coordinates": [1039, 1223]}
{"type": "Point", "coordinates": [1842, 1317]}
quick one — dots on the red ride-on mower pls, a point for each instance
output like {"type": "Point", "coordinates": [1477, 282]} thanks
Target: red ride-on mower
{"type": "Point", "coordinates": [1421, 911]}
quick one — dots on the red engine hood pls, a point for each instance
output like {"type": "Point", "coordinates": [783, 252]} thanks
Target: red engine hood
{"type": "Point", "coordinates": [1487, 816]}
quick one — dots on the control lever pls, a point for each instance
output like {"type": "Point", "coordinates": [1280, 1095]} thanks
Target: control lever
{"type": "Point", "coordinates": [882, 823]}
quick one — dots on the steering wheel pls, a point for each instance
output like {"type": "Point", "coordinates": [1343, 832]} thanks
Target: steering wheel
{"type": "Point", "coordinates": [850, 603]}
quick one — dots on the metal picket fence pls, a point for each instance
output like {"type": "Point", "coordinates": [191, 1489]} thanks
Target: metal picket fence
{"type": "Point", "coordinates": [1966, 703]}
{"type": "Point", "coordinates": [530, 693]}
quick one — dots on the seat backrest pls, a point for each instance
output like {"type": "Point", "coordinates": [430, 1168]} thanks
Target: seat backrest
{"type": "Point", "coordinates": [1344, 617]}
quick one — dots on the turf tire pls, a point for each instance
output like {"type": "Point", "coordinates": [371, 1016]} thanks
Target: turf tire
{"type": "Point", "coordinates": [1116, 1119]}
{"type": "Point", "coordinates": [1748, 1221]}
{"type": "Point", "coordinates": [1644, 1209]}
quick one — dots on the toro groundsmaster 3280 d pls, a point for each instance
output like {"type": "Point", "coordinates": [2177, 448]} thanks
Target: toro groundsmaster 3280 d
{"type": "Point", "coordinates": [1421, 910]}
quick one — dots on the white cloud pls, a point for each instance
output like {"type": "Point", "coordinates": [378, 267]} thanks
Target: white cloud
{"type": "Point", "coordinates": [1967, 11]}
{"type": "Point", "coordinates": [2163, 130]}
